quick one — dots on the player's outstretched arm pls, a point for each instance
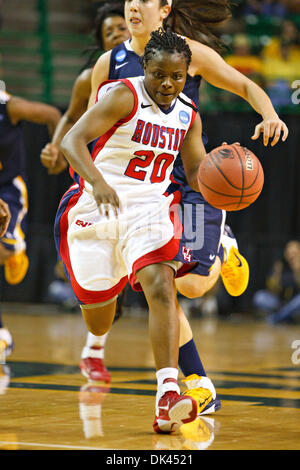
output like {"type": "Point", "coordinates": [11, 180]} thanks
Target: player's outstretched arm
{"type": "Point", "coordinates": [20, 109]}
{"type": "Point", "coordinates": [192, 152]}
{"type": "Point", "coordinates": [217, 72]}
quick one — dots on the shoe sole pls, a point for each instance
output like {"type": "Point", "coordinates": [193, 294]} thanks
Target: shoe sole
{"type": "Point", "coordinates": [182, 412]}
{"type": "Point", "coordinates": [86, 375]}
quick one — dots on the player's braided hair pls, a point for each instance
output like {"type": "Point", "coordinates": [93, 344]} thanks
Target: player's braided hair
{"type": "Point", "coordinates": [198, 19]}
{"type": "Point", "coordinates": [166, 41]}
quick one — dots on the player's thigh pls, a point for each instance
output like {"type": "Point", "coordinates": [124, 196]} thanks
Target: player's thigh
{"type": "Point", "coordinates": [195, 285]}
{"type": "Point", "coordinates": [203, 226]}
{"type": "Point", "coordinates": [88, 249]}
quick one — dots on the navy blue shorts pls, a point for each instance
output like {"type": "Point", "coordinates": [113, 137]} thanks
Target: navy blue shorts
{"type": "Point", "coordinates": [15, 195]}
{"type": "Point", "coordinates": [202, 229]}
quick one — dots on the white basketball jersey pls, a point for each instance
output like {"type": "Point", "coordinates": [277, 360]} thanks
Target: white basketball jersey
{"type": "Point", "coordinates": [136, 156]}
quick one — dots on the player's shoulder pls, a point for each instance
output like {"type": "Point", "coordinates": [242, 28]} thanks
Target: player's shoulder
{"type": "Point", "coordinates": [103, 61]}
{"type": "Point", "coordinates": [83, 81]}
{"type": "Point", "coordinates": [121, 89]}
{"type": "Point", "coordinates": [85, 75]}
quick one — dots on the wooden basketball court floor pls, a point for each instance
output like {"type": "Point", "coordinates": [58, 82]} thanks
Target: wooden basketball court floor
{"type": "Point", "coordinates": [48, 404]}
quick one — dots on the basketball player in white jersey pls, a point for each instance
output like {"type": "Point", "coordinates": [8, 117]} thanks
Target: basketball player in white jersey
{"type": "Point", "coordinates": [116, 223]}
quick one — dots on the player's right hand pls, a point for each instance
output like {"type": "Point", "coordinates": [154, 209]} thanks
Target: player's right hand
{"type": "Point", "coordinates": [49, 155]}
{"type": "Point", "coordinates": [106, 198]}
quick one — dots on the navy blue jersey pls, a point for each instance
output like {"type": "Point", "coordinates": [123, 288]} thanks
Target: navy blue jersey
{"type": "Point", "coordinates": [12, 148]}
{"type": "Point", "coordinates": [125, 63]}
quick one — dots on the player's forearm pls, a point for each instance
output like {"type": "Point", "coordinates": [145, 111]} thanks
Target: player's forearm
{"type": "Point", "coordinates": [62, 128]}
{"type": "Point", "coordinates": [259, 101]}
{"type": "Point", "coordinates": [52, 121]}
{"type": "Point", "coordinates": [192, 179]}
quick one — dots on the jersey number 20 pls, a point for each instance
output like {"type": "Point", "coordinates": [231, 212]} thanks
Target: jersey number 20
{"type": "Point", "coordinates": [161, 164]}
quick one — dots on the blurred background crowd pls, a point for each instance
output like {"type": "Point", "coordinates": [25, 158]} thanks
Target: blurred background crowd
{"type": "Point", "coordinates": [48, 38]}
{"type": "Point", "coordinates": [262, 42]}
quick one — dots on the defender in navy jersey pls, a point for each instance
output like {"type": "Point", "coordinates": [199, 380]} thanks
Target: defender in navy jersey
{"type": "Point", "coordinates": [13, 188]}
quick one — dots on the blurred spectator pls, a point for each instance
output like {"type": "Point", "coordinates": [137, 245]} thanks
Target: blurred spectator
{"type": "Point", "coordinates": [280, 71]}
{"type": "Point", "coordinates": [281, 298]}
{"type": "Point", "coordinates": [244, 61]}
{"type": "Point", "coordinates": [267, 8]}
{"type": "Point", "coordinates": [292, 5]}
{"type": "Point", "coordinates": [289, 35]}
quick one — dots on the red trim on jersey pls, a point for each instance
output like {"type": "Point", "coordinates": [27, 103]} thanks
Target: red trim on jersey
{"type": "Point", "coordinates": [105, 137]}
{"type": "Point", "coordinates": [85, 296]}
{"type": "Point", "coordinates": [165, 253]}
{"type": "Point", "coordinates": [194, 113]}
{"type": "Point", "coordinates": [173, 180]}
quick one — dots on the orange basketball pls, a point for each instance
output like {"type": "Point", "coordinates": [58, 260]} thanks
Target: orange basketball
{"type": "Point", "coordinates": [230, 177]}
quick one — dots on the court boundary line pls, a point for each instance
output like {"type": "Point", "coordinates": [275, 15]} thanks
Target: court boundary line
{"type": "Point", "coordinates": [58, 446]}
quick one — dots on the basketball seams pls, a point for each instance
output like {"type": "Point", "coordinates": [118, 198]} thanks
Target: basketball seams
{"type": "Point", "coordinates": [212, 157]}
{"type": "Point", "coordinates": [242, 174]}
{"type": "Point", "coordinates": [228, 195]}
{"type": "Point", "coordinates": [257, 172]}
{"type": "Point", "coordinates": [217, 188]}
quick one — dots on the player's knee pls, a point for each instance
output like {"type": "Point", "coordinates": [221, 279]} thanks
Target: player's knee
{"type": "Point", "coordinates": [193, 286]}
{"type": "Point", "coordinates": [156, 283]}
{"type": "Point", "coordinates": [97, 327]}
{"type": "Point", "coordinates": [192, 291]}
{"type": "Point", "coordinates": [4, 254]}
{"type": "Point", "coordinates": [99, 319]}
{"type": "Point", "coordinates": [98, 330]}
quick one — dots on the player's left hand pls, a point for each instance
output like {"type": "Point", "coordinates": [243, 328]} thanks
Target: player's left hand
{"type": "Point", "coordinates": [271, 128]}
{"type": "Point", "coordinates": [5, 217]}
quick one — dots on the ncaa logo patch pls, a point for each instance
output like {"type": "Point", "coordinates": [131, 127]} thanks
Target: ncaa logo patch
{"type": "Point", "coordinates": [184, 117]}
{"type": "Point", "coordinates": [120, 56]}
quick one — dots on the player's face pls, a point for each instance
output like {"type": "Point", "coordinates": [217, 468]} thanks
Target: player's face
{"type": "Point", "coordinates": [165, 76]}
{"type": "Point", "coordinates": [114, 31]}
{"type": "Point", "coordinates": [144, 16]}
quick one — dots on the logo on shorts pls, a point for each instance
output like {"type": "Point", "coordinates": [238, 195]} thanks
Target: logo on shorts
{"type": "Point", "coordinates": [187, 255]}
{"type": "Point", "coordinates": [184, 117]}
{"type": "Point", "coordinates": [120, 56]}
{"type": "Point", "coordinates": [83, 224]}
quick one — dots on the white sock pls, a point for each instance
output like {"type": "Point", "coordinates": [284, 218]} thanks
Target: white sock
{"type": "Point", "coordinates": [228, 243]}
{"type": "Point", "coordinates": [93, 341]}
{"type": "Point", "coordinates": [162, 388]}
